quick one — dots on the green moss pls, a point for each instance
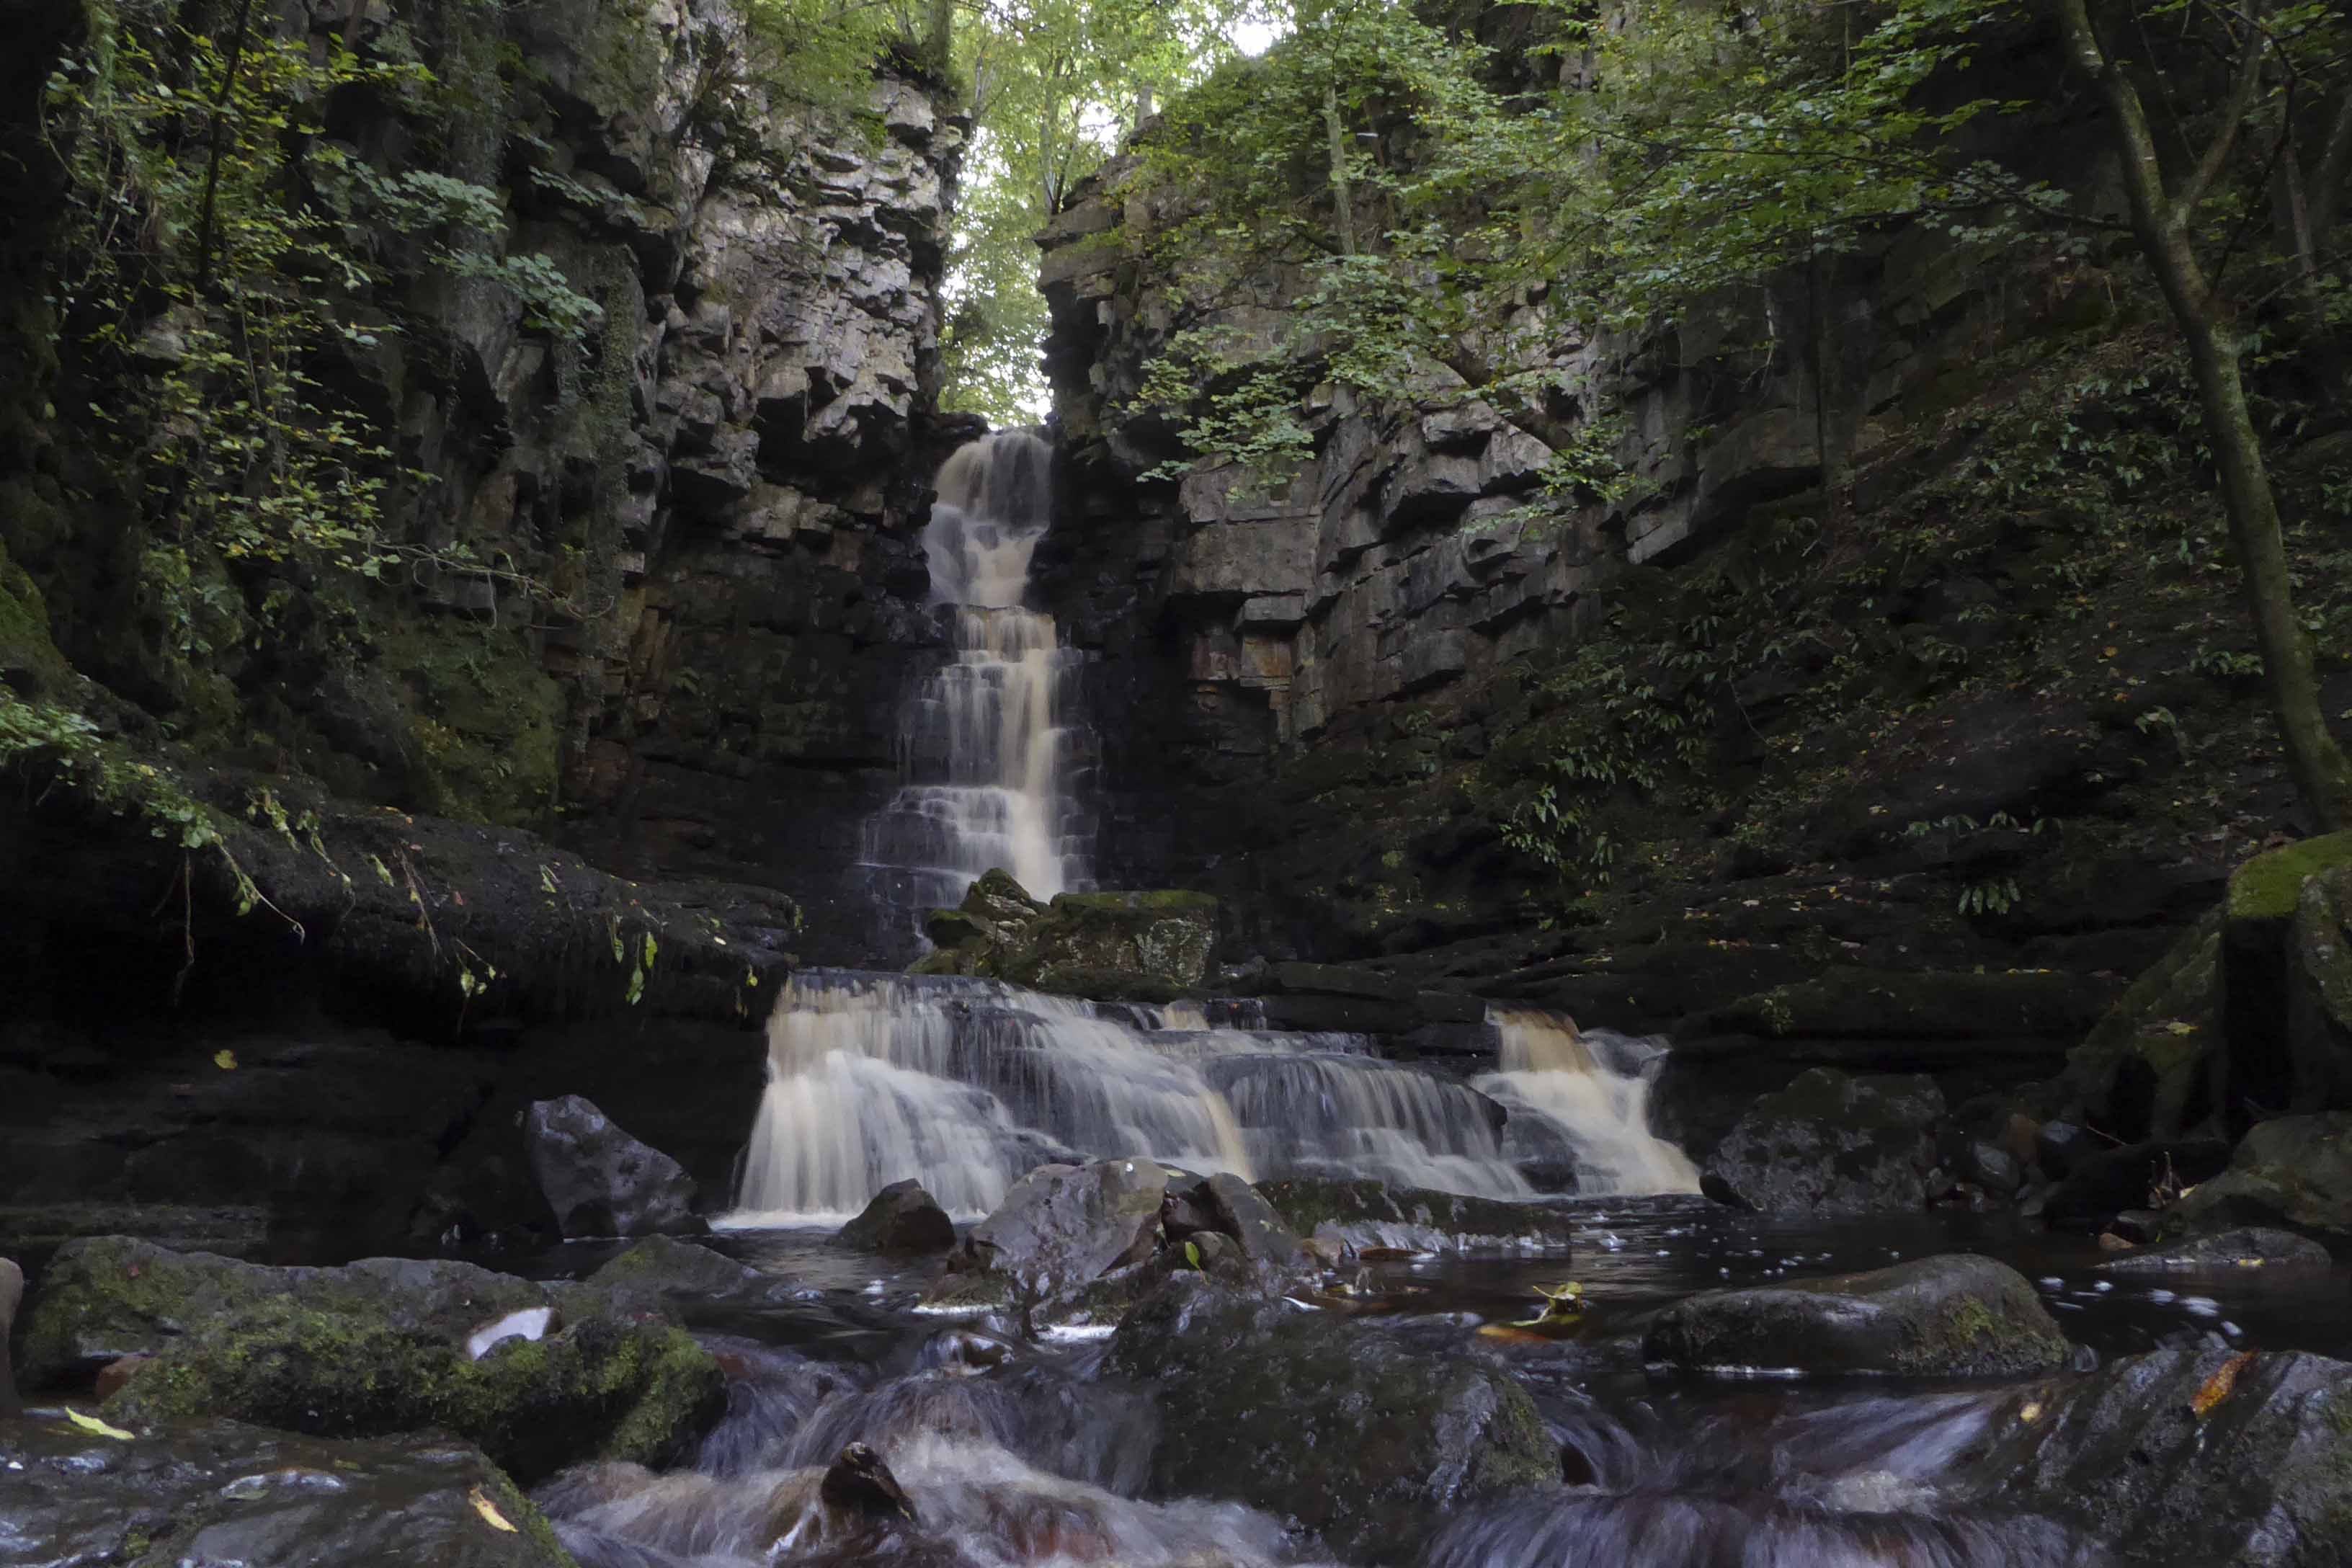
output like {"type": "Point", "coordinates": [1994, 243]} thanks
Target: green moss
{"type": "Point", "coordinates": [2266, 887]}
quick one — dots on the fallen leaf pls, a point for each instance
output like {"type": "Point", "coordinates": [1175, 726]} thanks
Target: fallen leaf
{"type": "Point", "coordinates": [488, 1510]}
{"type": "Point", "coordinates": [2217, 1386]}
{"type": "Point", "coordinates": [2030, 1412]}
{"type": "Point", "coordinates": [224, 1060]}
{"type": "Point", "coordinates": [92, 1424]}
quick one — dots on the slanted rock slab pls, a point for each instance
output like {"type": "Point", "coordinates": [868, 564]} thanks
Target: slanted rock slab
{"type": "Point", "coordinates": [2295, 1171]}
{"type": "Point", "coordinates": [1059, 1230]}
{"type": "Point", "coordinates": [600, 1181]}
{"type": "Point", "coordinates": [2248, 1247]}
{"type": "Point", "coordinates": [1955, 1316]}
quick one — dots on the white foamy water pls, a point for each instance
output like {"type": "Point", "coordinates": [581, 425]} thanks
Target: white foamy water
{"type": "Point", "coordinates": [967, 1085]}
{"type": "Point", "coordinates": [989, 747]}
{"type": "Point", "coordinates": [1593, 1106]}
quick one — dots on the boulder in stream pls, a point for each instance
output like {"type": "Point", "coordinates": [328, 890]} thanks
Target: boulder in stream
{"type": "Point", "coordinates": [1364, 1215]}
{"type": "Point", "coordinates": [1059, 1230]}
{"type": "Point", "coordinates": [2249, 1246]}
{"type": "Point", "coordinates": [218, 1491]}
{"type": "Point", "coordinates": [600, 1181]}
{"type": "Point", "coordinates": [2221, 1458]}
{"type": "Point", "coordinates": [375, 1347]}
{"type": "Point", "coordinates": [903, 1219]}
{"type": "Point", "coordinates": [1830, 1143]}
{"type": "Point", "coordinates": [1362, 1438]}
{"type": "Point", "coordinates": [1955, 1316]}
{"type": "Point", "coordinates": [2296, 1171]}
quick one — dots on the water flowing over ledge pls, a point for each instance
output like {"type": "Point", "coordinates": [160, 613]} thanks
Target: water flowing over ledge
{"type": "Point", "coordinates": [966, 1085]}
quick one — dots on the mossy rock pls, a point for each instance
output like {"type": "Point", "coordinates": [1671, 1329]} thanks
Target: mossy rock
{"type": "Point", "coordinates": [2146, 1069]}
{"type": "Point", "coordinates": [2281, 961]}
{"type": "Point", "coordinates": [606, 1388]}
{"type": "Point", "coordinates": [1957, 1315]}
{"type": "Point", "coordinates": [2267, 886]}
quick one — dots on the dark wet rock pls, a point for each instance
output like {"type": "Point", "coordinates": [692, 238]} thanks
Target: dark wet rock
{"type": "Point", "coordinates": [600, 1181]}
{"type": "Point", "coordinates": [221, 1492]}
{"type": "Point", "coordinates": [1365, 1440]}
{"type": "Point", "coordinates": [1061, 1229]}
{"type": "Point", "coordinates": [1991, 1167]}
{"type": "Point", "coordinates": [2102, 1185]}
{"type": "Point", "coordinates": [2295, 1171]}
{"type": "Point", "coordinates": [2208, 1456]}
{"type": "Point", "coordinates": [2286, 989]}
{"type": "Point", "coordinates": [1112, 947]}
{"type": "Point", "coordinates": [1831, 1145]}
{"type": "Point", "coordinates": [1958, 1316]}
{"type": "Point", "coordinates": [375, 1347]}
{"type": "Point", "coordinates": [858, 1483]}
{"type": "Point", "coordinates": [1365, 1213]}
{"type": "Point", "coordinates": [2248, 1247]}
{"type": "Point", "coordinates": [2057, 1145]}
{"type": "Point", "coordinates": [1237, 1210]}
{"type": "Point", "coordinates": [667, 1266]}
{"type": "Point", "coordinates": [2147, 1069]}
{"type": "Point", "coordinates": [12, 1291]}
{"type": "Point", "coordinates": [902, 1220]}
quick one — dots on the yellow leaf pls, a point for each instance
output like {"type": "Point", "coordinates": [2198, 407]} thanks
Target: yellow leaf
{"type": "Point", "coordinates": [224, 1060]}
{"type": "Point", "coordinates": [2217, 1386]}
{"type": "Point", "coordinates": [2179, 1027]}
{"type": "Point", "coordinates": [2030, 1412]}
{"type": "Point", "coordinates": [92, 1424]}
{"type": "Point", "coordinates": [488, 1510]}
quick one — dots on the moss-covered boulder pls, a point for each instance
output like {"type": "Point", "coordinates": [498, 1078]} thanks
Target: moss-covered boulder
{"type": "Point", "coordinates": [1363, 1438]}
{"type": "Point", "coordinates": [1364, 1213]}
{"type": "Point", "coordinates": [2285, 991]}
{"type": "Point", "coordinates": [381, 1346]}
{"type": "Point", "coordinates": [1955, 1316]}
{"type": "Point", "coordinates": [2294, 1171]}
{"type": "Point", "coordinates": [2211, 1457]}
{"type": "Point", "coordinates": [608, 1386]}
{"type": "Point", "coordinates": [1831, 1145]}
{"type": "Point", "coordinates": [1111, 947]}
{"type": "Point", "coordinates": [220, 1493]}
{"type": "Point", "coordinates": [2147, 1069]}
{"type": "Point", "coordinates": [667, 1267]}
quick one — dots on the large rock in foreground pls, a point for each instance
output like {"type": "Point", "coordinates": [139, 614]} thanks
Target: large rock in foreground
{"type": "Point", "coordinates": [2219, 1458]}
{"type": "Point", "coordinates": [1831, 1145]}
{"type": "Point", "coordinates": [2295, 1171]}
{"type": "Point", "coordinates": [600, 1181]}
{"type": "Point", "coordinates": [538, 1375]}
{"type": "Point", "coordinates": [902, 1220]}
{"type": "Point", "coordinates": [1362, 1438]}
{"type": "Point", "coordinates": [1958, 1316]}
{"type": "Point", "coordinates": [219, 1493]}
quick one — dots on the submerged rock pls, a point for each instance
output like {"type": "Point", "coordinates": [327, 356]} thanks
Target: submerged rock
{"type": "Point", "coordinates": [1362, 1438]}
{"type": "Point", "coordinates": [669, 1267]}
{"type": "Point", "coordinates": [1363, 1215]}
{"type": "Point", "coordinates": [2296, 1170]}
{"type": "Point", "coordinates": [600, 1181]}
{"type": "Point", "coordinates": [2220, 1458]}
{"type": "Point", "coordinates": [903, 1219]}
{"type": "Point", "coordinates": [2247, 1248]}
{"type": "Point", "coordinates": [1831, 1145]}
{"type": "Point", "coordinates": [1059, 1230]}
{"type": "Point", "coordinates": [219, 1493]}
{"type": "Point", "coordinates": [1957, 1315]}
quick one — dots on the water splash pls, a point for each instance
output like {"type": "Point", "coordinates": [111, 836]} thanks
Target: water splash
{"type": "Point", "coordinates": [990, 755]}
{"type": "Point", "coordinates": [1583, 1101]}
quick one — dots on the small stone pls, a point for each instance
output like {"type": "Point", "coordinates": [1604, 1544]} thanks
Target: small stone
{"type": "Point", "coordinates": [858, 1483]}
{"type": "Point", "coordinates": [2138, 1226]}
{"type": "Point", "coordinates": [114, 1374]}
{"type": "Point", "coordinates": [903, 1218]}
{"type": "Point", "coordinates": [2110, 1242]}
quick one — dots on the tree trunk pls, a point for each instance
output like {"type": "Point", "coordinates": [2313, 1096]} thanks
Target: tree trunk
{"type": "Point", "coordinates": [2163, 220]}
{"type": "Point", "coordinates": [938, 43]}
{"type": "Point", "coordinates": [1827, 351]}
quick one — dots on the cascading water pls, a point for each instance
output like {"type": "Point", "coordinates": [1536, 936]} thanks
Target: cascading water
{"type": "Point", "coordinates": [990, 754]}
{"type": "Point", "coordinates": [1584, 1100]}
{"type": "Point", "coordinates": [966, 1085]}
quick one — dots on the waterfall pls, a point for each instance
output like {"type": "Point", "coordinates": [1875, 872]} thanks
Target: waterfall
{"type": "Point", "coordinates": [988, 747]}
{"type": "Point", "coordinates": [1584, 1100]}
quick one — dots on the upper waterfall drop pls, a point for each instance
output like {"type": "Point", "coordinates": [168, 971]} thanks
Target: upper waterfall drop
{"type": "Point", "coordinates": [989, 744]}
{"type": "Point", "coordinates": [1584, 1099]}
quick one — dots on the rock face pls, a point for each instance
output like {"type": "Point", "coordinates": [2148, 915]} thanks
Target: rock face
{"type": "Point", "coordinates": [902, 1219]}
{"type": "Point", "coordinates": [219, 1491]}
{"type": "Point", "coordinates": [2236, 1460]}
{"type": "Point", "coordinates": [1955, 1316]}
{"type": "Point", "coordinates": [600, 1181]}
{"type": "Point", "coordinates": [1364, 1440]}
{"type": "Point", "coordinates": [2296, 1170]}
{"type": "Point", "coordinates": [374, 1348]}
{"type": "Point", "coordinates": [1113, 947]}
{"type": "Point", "coordinates": [1059, 1230]}
{"type": "Point", "coordinates": [1831, 1145]}
{"type": "Point", "coordinates": [11, 1293]}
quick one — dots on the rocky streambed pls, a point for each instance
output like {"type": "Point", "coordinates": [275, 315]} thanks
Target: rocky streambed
{"type": "Point", "coordinates": [1128, 1365]}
